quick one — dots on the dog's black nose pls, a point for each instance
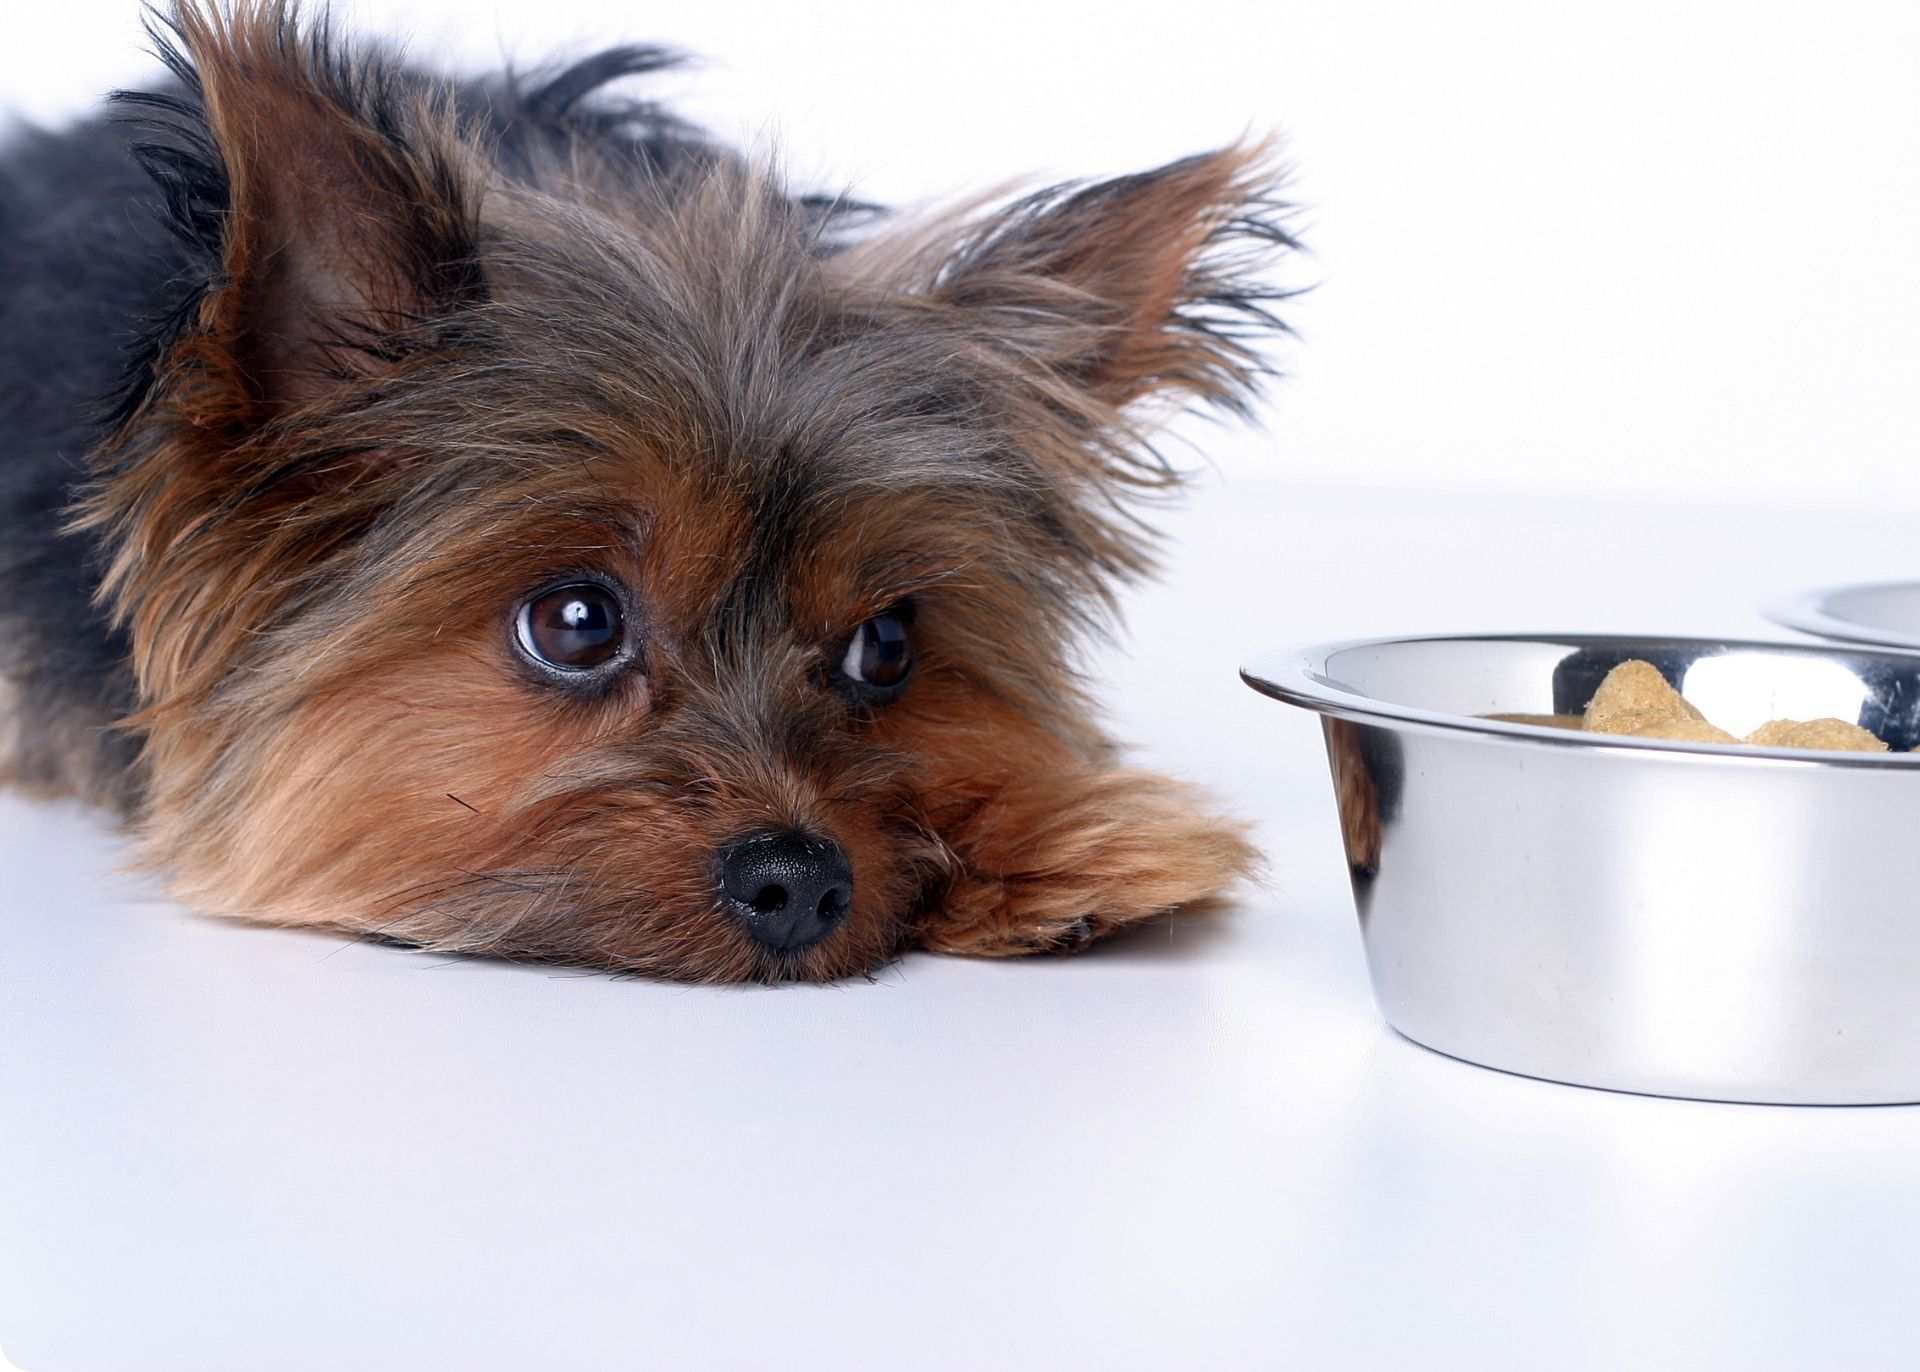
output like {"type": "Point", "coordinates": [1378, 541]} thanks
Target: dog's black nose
{"type": "Point", "coordinates": [790, 889]}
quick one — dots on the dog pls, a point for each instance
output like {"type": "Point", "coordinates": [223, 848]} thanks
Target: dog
{"type": "Point", "coordinates": [490, 516]}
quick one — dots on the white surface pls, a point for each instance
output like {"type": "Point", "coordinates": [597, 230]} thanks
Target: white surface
{"type": "Point", "coordinates": [224, 1149]}
{"type": "Point", "coordinates": [1646, 247]}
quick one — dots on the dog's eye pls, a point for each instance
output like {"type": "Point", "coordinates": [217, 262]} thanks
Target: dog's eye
{"type": "Point", "coordinates": [576, 627]}
{"type": "Point", "coordinates": [879, 656]}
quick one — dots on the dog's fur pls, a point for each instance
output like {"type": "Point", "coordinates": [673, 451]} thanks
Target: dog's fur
{"type": "Point", "coordinates": [313, 367]}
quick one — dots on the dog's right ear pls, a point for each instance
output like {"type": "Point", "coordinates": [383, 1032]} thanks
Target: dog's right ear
{"type": "Point", "coordinates": [335, 205]}
{"type": "Point", "coordinates": [327, 209]}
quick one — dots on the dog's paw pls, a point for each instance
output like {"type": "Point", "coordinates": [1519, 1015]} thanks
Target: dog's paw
{"type": "Point", "coordinates": [1051, 867]}
{"type": "Point", "coordinates": [1007, 932]}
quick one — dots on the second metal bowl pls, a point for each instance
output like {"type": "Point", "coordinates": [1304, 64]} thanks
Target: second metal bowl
{"type": "Point", "coordinates": [1882, 613]}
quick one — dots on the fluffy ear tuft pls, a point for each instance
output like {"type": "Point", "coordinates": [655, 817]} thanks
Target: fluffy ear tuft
{"type": "Point", "coordinates": [1077, 317]}
{"type": "Point", "coordinates": [348, 208]}
{"type": "Point", "coordinates": [1141, 286]}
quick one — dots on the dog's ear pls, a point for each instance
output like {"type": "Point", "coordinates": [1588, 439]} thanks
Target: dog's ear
{"type": "Point", "coordinates": [1149, 285]}
{"type": "Point", "coordinates": [347, 223]}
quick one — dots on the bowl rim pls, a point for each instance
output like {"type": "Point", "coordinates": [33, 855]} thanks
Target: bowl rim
{"type": "Point", "coordinates": [1806, 612]}
{"type": "Point", "coordinates": [1296, 675]}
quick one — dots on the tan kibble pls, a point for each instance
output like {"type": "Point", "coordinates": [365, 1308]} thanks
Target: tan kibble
{"type": "Point", "coordinates": [1636, 700]}
{"type": "Point", "coordinates": [1543, 721]}
{"type": "Point", "coordinates": [1835, 735]}
{"type": "Point", "coordinates": [1635, 687]}
{"type": "Point", "coordinates": [1773, 733]}
{"type": "Point", "coordinates": [1683, 731]}
{"type": "Point", "coordinates": [1628, 721]}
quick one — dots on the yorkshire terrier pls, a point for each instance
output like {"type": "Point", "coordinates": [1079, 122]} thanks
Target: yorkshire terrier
{"type": "Point", "coordinates": [488, 515]}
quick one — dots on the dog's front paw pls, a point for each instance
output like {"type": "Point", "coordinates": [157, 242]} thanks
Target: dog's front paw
{"type": "Point", "coordinates": [1001, 928]}
{"type": "Point", "coordinates": [1049, 867]}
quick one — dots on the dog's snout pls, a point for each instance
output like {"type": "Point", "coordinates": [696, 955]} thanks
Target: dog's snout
{"type": "Point", "coordinates": [790, 889]}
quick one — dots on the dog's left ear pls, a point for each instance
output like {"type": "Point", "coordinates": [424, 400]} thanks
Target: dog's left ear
{"type": "Point", "coordinates": [1149, 285]}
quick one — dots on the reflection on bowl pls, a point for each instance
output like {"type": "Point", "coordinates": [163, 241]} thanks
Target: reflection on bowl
{"type": "Point", "coordinates": [1686, 919]}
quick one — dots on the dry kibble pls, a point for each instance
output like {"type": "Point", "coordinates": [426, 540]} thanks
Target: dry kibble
{"type": "Point", "coordinates": [1834, 734]}
{"type": "Point", "coordinates": [1689, 731]}
{"type": "Point", "coordinates": [1543, 721]}
{"type": "Point", "coordinates": [1636, 700]}
{"type": "Point", "coordinates": [1631, 721]}
{"type": "Point", "coordinates": [1635, 686]}
{"type": "Point", "coordinates": [1773, 733]}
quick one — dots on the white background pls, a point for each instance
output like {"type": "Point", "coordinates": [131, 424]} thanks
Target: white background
{"type": "Point", "coordinates": [1654, 248]}
{"type": "Point", "coordinates": [1585, 272]}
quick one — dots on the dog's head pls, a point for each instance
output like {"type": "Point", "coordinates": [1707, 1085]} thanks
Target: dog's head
{"type": "Point", "coordinates": [542, 535]}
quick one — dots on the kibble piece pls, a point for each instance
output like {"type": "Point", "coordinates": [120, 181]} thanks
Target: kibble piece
{"type": "Point", "coordinates": [1635, 700]}
{"type": "Point", "coordinates": [1683, 731]}
{"type": "Point", "coordinates": [1835, 735]}
{"type": "Point", "coordinates": [1542, 721]}
{"type": "Point", "coordinates": [1636, 686]}
{"type": "Point", "coordinates": [1629, 721]}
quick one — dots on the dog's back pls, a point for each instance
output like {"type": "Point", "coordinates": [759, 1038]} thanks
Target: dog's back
{"type": "Point", "coordinates": [82, 261]}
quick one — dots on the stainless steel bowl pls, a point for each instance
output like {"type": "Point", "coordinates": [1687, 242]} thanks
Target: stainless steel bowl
{"type": "Point", "coordinates": [1678, 919]}
{"type": "Point", "coordinates": [1883, 613]}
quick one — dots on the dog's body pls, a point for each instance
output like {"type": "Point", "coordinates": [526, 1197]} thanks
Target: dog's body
{"type": "Point", "coordinates": [490, 516]}
{"type": "Point", "coordinates": [75, 271]}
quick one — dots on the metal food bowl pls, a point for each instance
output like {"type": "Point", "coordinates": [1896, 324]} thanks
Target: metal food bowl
{"type": "Point", "coordinates": [1680, 919]}
{"type": "Point", "coordinates": [1883, 613]}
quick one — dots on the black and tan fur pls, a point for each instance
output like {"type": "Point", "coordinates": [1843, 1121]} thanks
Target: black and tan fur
{"type": "Point", "coordinates": [314, 366]}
